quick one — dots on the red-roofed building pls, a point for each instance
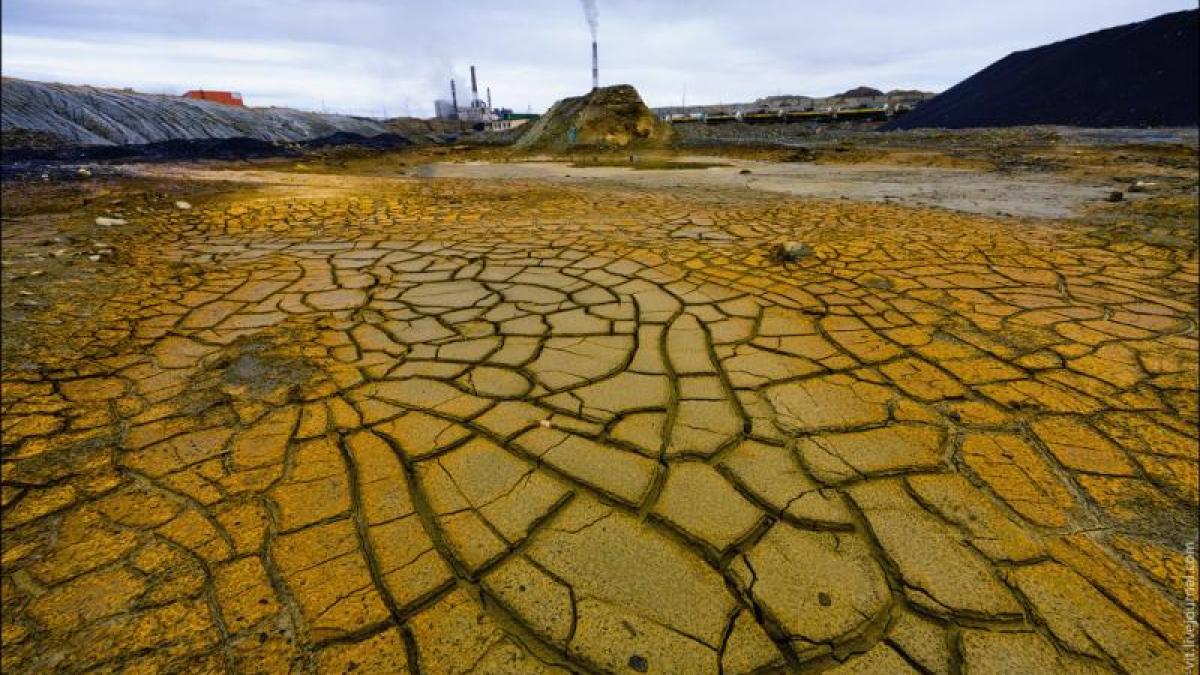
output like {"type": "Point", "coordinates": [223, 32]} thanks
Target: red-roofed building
{"type": "Point", "coordinates": [226, 97]}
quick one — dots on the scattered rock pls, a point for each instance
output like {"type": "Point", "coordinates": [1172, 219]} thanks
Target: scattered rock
{"type": "Point", "coordinates": [744, 171]}
{"type": "Point", "coordinates": [791, 251]}
{"type": "Point", "coordinates": [182, 205]}
{"type": "Point", "coordinates": [108, 222]}
{"type": "Point", "coordinates": [1115, 196]}
{"type": "Point", "coordinates": [639, 663]}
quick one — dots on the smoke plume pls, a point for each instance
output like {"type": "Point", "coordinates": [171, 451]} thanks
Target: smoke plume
{"type": "Point", "coordinates": [592, 14]}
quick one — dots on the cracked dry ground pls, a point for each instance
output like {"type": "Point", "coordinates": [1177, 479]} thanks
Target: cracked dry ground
{"type": "Point", "coordinates": [452, 427]}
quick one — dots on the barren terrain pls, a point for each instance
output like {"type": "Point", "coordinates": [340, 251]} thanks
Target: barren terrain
{"type": "Point", "coordinates": [450, 413]}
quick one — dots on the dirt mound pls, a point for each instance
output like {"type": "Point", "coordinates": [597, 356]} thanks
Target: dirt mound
{"type": "Point", "coordinates": [202, 148]}
{"type": "Point", "coordinates": [860, 92]}
{"type": "Point", "coordinates": [215, 148]}
{"type": "Point", "coordinates": [1139, 74]}
{"type": "Point", "coordinates": [388, 141]}
{"type": "Point", "coordinates": [94, 116]}
{"type": "Point", "coordinates": [608, 117]}
{"type": "Point", "coordinates": [28, 139]}
{"type": "Point", "coordinates": [177, 149]}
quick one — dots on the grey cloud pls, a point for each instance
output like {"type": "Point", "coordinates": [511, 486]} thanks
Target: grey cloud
{"type": "Point", "coordinates": [367, 55]}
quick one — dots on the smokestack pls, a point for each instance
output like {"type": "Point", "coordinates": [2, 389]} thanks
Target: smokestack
{"type": "Point", "coordinates": [592, 14]}
{"type": "Point", "coordinates": [474, 87]}
{"type": "Point", "coordinates": [489, 95]}
{"type": "Point", "coordinates": [595, 67]}
{"type": "Point", "coordinates": [453, 100]}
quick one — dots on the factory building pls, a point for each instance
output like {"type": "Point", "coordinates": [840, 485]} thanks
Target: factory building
{"type": "Point", "coordinates": [510, 120]}
{"type": "Point", "coordinates": [225, 97]}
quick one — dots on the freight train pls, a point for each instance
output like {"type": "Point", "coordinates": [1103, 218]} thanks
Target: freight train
{"type": "Point", "coordinates": [879, 114]}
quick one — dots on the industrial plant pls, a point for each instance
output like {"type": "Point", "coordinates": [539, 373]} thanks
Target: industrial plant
{"type": "Point", "coordinates": [478, 113]}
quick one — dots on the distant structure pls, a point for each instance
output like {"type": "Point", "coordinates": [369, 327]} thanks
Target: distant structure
{"type": "Point", "coordinates": [225, 97]}
{"type": "Point", "coordinates": [595, 66]}
{"type": "Point", "coordinates": [855, 99]}
{"type": "Point", "coordinates": [478, 111]}
{"type": "Point", "coordinates": [509, 120]}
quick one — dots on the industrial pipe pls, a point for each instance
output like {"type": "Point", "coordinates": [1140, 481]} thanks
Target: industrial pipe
{"type": "Point", "coordinates": [595, 67]}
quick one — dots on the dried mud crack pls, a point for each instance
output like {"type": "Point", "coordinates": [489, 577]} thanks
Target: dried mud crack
{"type": "Point", "coordinates": [449, 426]}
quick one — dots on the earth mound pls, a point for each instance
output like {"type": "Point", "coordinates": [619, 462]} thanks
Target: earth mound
{"type": "Point", "coordinates": [1136, 75]}
{"type": "Point", "coordinates": [81, 115]}
{"type": "Point", "coordinates": [860, 92]}
{"type": "Point", "coordinates": [607, 117]}
{"type": "Point", "coordinates": [385, 141]}
{"type": "Point", "coordinates": [187, 149]}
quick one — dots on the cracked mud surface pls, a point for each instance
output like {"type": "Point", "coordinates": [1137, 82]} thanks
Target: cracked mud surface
{"type": "Point", "coordinates": [450, 427]}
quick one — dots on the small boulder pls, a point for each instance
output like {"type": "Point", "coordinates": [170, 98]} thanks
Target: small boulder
{"type": "Point", "coordinates": [1115, 196]}
{"type": "Point", "coordinates": [791, 251]}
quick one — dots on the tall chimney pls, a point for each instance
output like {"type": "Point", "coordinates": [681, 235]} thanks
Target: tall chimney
{"type": "Point", "coordinates": [595, 67]}
{"type": "Point", "coordinates": [489, 95]}
{"type": "Point", "coordinates": [474, 88]}
{"type": "Point", "coordinates": [453, 100]}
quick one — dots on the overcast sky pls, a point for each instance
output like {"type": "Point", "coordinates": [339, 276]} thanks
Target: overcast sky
{"type": "Point", "coordinates": [371, 56]}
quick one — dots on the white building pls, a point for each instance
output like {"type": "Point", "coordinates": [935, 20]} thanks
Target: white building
{"type": "Point", "coordinates": [505, 125]}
